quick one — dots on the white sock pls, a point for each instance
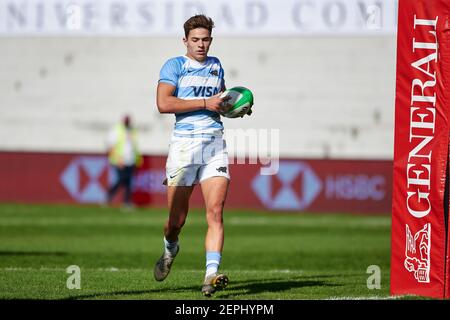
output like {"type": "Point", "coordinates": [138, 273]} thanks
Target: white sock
{"type": "Point", "coordinates": [170, 247]}
{"type": "Point", "coordinates": [212, 262]}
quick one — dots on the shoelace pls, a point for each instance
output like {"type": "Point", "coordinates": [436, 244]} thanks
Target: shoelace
{"type": "Point", "coordinates": [164, 262]}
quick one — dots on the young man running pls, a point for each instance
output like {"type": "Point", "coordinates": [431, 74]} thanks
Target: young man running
{"type": "Point", "coordinates": [190, 87]}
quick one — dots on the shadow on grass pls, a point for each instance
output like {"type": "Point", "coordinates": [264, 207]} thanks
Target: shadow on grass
{"type": "Point", "coordinates": [252, 287]}
{"type": "Point", "coordinates": [242, 287]}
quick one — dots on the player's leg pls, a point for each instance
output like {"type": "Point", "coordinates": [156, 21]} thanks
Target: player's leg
{"type": "Point", "coordinates": [181, 177]}
{"type": "Point", "coordinates": [128, 178]}
{"type": "Point", "coordinates": [214, 179]}
{"type": "Point", "coordinates": [178, 202]}
{"type": "Point", "coordinates": [115, 187]}
{"type": "Point", "coordinates": [214, 191]}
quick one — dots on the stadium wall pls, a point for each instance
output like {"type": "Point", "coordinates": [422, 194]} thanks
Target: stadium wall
{"type": "Point", "coordinates": [329, 97]}
{"type": "Point", "coordinates": [322, 73]}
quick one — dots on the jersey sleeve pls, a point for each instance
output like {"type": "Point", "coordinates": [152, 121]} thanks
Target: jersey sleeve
{"type": "Point", "coordinates": [222, 77]}
{"type": "Point", "coordinates": [170, 72]}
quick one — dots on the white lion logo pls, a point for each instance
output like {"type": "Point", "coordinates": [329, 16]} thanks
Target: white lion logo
{"type": "Point", "coordinates": [418, 253]}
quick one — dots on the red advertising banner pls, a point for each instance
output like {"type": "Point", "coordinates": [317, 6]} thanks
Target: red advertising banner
{"type": "Point", "coordinates": [330, 186]}
{"type": "Point", "coordinates": [447, 217]}
{"type": "Point", "coordinates": [421, 149]}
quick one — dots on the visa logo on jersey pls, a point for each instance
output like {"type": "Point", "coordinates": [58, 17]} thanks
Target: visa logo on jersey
{"type": "Point", "coordinates": [205, 91]}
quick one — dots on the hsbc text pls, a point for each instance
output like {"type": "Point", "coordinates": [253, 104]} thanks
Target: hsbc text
{"type": "Point", "coordinates": [355, 187]}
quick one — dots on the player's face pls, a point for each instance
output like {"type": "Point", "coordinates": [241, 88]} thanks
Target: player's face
{"type": "Point", "coordinates": [197, 44]}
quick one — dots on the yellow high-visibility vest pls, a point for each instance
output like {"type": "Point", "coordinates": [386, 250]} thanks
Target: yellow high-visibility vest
{"type": "Point", "coordinates": [116, 154]}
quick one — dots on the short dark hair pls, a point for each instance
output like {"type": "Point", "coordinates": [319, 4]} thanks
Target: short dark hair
{"type": "Point", "coordinates": [198, 21]}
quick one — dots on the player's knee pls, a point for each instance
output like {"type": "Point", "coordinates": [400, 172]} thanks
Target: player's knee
{"type": "Point", "coordinates": [214, 214]}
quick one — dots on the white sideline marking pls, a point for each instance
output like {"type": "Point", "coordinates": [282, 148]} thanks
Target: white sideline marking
{"type": "Point", "coordinates": [113, 269]}
{"type": "Point", "coordinates": [366, 298]}
{"type": "Point", "coordinates": [157, 221]}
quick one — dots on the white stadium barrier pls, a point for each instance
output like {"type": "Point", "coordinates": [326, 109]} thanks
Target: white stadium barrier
{"type": "Point", "coordinates": [330, 96]}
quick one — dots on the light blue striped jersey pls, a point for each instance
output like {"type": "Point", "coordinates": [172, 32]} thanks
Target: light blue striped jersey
{"type": "Point", "coordinates": [195, 80]}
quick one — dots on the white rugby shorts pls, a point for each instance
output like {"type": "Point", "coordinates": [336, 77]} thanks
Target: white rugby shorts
{"type": "Point", "coordinates": [194, 159]}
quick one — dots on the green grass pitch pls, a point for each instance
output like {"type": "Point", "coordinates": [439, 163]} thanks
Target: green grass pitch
{"type": "Point", "coordinates": [266, 255]}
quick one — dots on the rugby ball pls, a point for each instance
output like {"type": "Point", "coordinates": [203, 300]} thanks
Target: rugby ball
{"type": "Point", "coordinates": [238, 100]}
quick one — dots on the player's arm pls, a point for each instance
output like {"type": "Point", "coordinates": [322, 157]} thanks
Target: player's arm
{"type": "Point", "coordinates": [167, 103]}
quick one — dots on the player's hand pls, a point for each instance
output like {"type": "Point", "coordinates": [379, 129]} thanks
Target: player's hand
{"type": "Point", "coordinates": [218, 104]}
{"type": "Point", "coordinates": [249, 112]}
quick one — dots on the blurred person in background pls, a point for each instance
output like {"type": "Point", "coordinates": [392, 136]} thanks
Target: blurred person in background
{"type": "Point", "coordinates": [124, 156]}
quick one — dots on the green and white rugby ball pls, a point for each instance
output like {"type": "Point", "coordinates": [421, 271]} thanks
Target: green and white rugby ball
{"type": "Point", "coordinates": [239, 101]}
